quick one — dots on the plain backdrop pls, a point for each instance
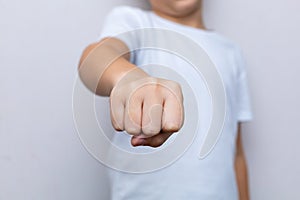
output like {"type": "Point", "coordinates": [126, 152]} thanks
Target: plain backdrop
{"type": "Point", "coordinates": [41, 156]}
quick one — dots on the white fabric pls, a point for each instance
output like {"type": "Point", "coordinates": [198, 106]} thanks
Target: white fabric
{"type": "Point", "coordinates": [188, 178]}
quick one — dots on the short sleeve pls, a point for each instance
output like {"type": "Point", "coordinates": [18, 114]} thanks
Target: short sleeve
{"type": "Point", "coordinates": [120, 23]}
{"type": "Point", "coordinates": [244, 111]}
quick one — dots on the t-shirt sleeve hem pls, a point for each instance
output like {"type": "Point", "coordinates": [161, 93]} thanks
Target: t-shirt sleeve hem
{"type": "Point", "coordinates": [245, 117]}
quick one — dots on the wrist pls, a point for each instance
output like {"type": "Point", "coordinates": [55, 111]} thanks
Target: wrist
{"type": "Point", "coordinates": [130, 75]}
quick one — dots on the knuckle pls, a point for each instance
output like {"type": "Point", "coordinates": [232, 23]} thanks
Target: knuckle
{"type": "Point", "coordinates": [150, 131]}
{"type": "Point", "coordinates": [174, 85]}
{"type": "Point", "coordinates": [171, 127]}
{"type": "Point", "coordinates": [133, 117]}
{"type": "Point", "coordinates": [152, 80]}
{"type": "Point", "coordinates": [178, 90]}
{"type": "Point", "coordinates": [133, 131]}
{"type": "Point", "coordinates": [117, 126]}
{"type": "Point", "coordinates": [174, 88]}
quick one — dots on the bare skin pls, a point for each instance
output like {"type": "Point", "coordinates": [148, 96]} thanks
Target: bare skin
{"type": "Point", "coordinates": [122, 72]}
{"type": "Point", "coordinates": [148, 108]}
{"type": "Point", "coordinates": [185, 12]}
{"type": "Point", "coordinates": [241, 167]}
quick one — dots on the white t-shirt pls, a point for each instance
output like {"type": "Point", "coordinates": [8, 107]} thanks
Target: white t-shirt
{"type": "Point", "coordinates": [189, 177]}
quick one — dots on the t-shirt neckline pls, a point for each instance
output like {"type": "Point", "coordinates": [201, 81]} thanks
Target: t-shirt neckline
{"type": "Point", "coordinates": [181, 26]}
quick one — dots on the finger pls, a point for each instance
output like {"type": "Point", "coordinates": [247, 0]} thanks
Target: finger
{"type": "Point", "coordinates": [172, 116]}
{"type": "Point", "coordinates": [138, 141]}
{"type": "Point", "coordinates": [133, 114]}
{"type": "Point", "coordinates": [117, 109]}
{"type": "Point", "coordinates": [154, 141]}
{"type": "Point", "coordinates": [152, 115]}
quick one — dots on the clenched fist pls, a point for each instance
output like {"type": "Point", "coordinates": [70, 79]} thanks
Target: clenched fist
{"type": "Point", "coordinates": [150, 109]}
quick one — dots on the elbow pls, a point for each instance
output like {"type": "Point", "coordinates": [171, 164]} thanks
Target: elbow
{"type": "Point", "coordinates": [86, 53]}
{"type": "Point", "coordinates": [86, 74]}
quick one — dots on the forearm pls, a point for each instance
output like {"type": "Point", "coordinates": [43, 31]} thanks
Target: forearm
{"type": "Point", "coordinates": [241, 167]}
{"type": "Point", "coordinates": [242, 177]}
{"type": "Point", "coordinates": [103, 64]}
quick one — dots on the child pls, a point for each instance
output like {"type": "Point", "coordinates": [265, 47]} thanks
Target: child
{"type": "Point", "coordinates": [151, 109]}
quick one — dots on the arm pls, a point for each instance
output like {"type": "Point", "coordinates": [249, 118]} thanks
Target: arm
{"type": "Point", "coordinates": [241, 168]}
{"type": "Point", "coordinates": [105, 69]}
{"type": "Point", "coordinates": [98, 72]}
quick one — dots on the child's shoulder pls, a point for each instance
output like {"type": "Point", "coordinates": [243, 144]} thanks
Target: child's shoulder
{"type": "Point", "coordinates": [225, 41]}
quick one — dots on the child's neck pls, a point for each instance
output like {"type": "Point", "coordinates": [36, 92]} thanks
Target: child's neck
{"type": "Point", "coordinates": [194, 19]}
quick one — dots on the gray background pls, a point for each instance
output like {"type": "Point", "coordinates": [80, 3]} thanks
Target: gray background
{"type": "Point", "coordinates": [41, 156]}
